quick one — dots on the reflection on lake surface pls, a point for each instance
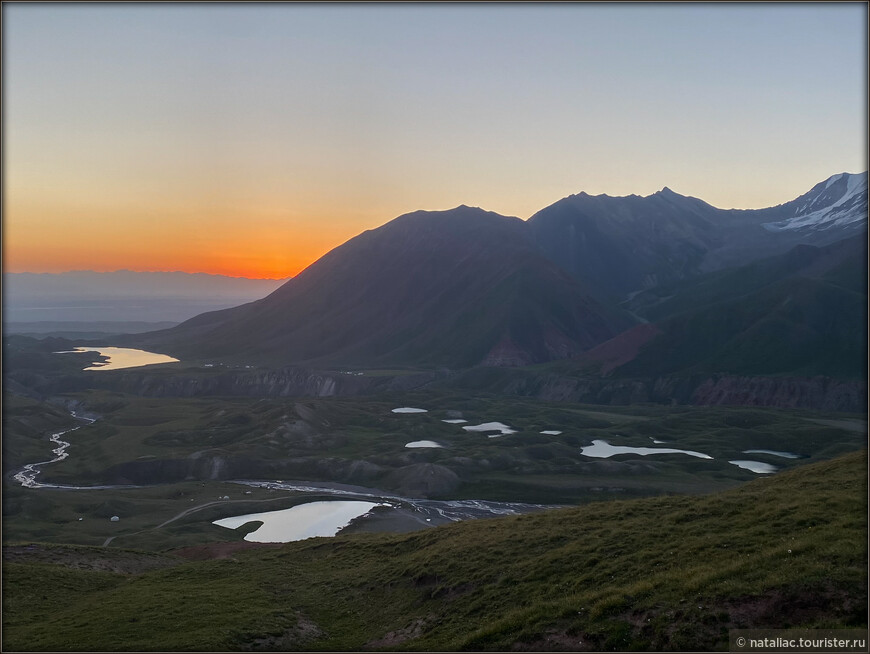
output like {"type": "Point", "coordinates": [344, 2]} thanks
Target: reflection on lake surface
{"type": "Point", "coordinates": [755, 466]}
{"type": "Point", "coordinates": [604, 450]}
{"type": "Point", "coordinates": [122, 357]}
{"type": "Point", "coordinates": [423, 444]}
{"type": "Point", "coordinates": [785, 455]}
{"type": "Point", "coordinates": [300, 522]}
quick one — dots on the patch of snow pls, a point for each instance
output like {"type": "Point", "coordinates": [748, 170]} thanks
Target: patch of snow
{"type": "Point", "coordinates": [833, 179]}
{"type": "Point", "coordinates": [836, 214]}
{"type": "Point", "coordinates": [423, 444]}
{"type": "Point", "coordinates": [409, 409]}
{"type": "Point", "coordinates": [551, 432]}
{"type": "Point", "coordinates": [455, 421]}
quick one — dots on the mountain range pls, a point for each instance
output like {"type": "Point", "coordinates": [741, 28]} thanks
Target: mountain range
{"type": "Point", "coordinates": [468, 287]}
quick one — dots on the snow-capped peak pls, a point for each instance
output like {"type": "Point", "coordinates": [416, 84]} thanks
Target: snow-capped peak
{"type": "Point", "coordinates": [840, 201]}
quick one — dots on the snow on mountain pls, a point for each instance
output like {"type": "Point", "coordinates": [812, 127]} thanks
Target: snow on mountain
{"type": "Point", "coordinates": [840, 201]}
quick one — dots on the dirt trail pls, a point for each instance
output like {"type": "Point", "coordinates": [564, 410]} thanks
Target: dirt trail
{"type": "Point", "coordinates": [194, 509]}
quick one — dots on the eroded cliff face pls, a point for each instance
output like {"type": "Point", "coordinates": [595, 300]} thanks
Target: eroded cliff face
{"type": "Point", "coordinates": [823, 393]}
{"type": "Point", "coordinates": [286, 382]}
{"type": "Point", "coordinates": [785, 392]}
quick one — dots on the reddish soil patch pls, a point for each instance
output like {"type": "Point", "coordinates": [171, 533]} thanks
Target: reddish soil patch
{"type": "Point", "coordinates": [622, 348]}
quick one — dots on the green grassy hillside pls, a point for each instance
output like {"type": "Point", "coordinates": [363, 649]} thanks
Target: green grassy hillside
{"type": "Point", "coordinates": [658, 573]}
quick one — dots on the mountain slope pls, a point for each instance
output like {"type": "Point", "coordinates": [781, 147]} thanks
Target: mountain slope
{"type": "Point", "coordinates": [622, 245]}
{"type": "Point", "coordinates": [660, 574]}
{"type": "Point", "coordinates": [453, 288]}
{"type": "Point", "coordinates": [464, 287]}
{"type": "Point", "coordinates": [802, 313]}
{"type": "Point", "coordinates": [840, 201]}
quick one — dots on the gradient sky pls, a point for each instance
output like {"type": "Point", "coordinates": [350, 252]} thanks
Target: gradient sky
{"type": "Point", "coordinates": [251, 139]}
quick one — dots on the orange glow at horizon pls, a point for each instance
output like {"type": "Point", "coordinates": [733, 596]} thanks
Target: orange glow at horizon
{"type": "Point", "coordinates": [255, 247]}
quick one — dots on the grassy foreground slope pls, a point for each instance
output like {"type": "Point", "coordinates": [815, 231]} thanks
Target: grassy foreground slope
{"type": "Point", "coordinates": [659, 573]}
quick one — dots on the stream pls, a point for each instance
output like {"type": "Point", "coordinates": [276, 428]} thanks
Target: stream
{"type": "Point", "coordinates": [434, 511]}
{"type": "Point", "coordinates": [27, 475]}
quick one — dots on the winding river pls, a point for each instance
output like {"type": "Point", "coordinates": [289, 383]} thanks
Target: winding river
{"type": "Point", "coordinates": [27, 475]}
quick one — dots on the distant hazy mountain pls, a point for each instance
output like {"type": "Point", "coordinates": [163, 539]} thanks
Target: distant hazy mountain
{"type": "Point", "coordinates": [455, 288]}
{"type": "Point", "coordinates": [87, 296]}
{"type": "Point", "coordinates": [620, 245]}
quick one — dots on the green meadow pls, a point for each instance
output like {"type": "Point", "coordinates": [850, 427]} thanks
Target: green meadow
{"type": "Point", "coordinates": [655, 573]}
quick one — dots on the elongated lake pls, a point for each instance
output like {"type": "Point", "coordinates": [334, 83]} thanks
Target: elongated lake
{"type": "Point", "coordinates": [604, 450]}
{"type": "Point", "coordinates": [122, 357]}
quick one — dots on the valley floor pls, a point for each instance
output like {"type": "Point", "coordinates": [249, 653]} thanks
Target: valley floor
{"type": "Point", "coordinates": [665, 539]}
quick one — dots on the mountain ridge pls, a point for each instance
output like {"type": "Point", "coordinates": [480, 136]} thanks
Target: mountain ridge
{"type": "Point", "coordinates": [439, 288]}
{"type": "Point", "coordinates": [466, 286]}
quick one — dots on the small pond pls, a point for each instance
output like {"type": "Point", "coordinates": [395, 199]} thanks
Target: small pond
{"type": "Point", "coordinates": [784, 455]}
{"type": "Point", "coordinates": [755, 466]}
{"type": "Point", "coordinates": [492, 426]}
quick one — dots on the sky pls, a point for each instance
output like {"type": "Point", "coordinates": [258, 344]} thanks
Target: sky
{"type": "Point", "coordinates": [249, 140]}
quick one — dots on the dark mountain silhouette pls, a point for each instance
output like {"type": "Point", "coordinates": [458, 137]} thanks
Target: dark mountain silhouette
{"type": "Point", "coordinates": [801, 313]}
{"type": "Point", "coordinates": [621, 245]}
{"type": "Point", "coordinates": [454, 288]}
{"type": "Point", "coordinates": [466, 287]}
{"type": "Point", "coordinates": [627, 243]}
